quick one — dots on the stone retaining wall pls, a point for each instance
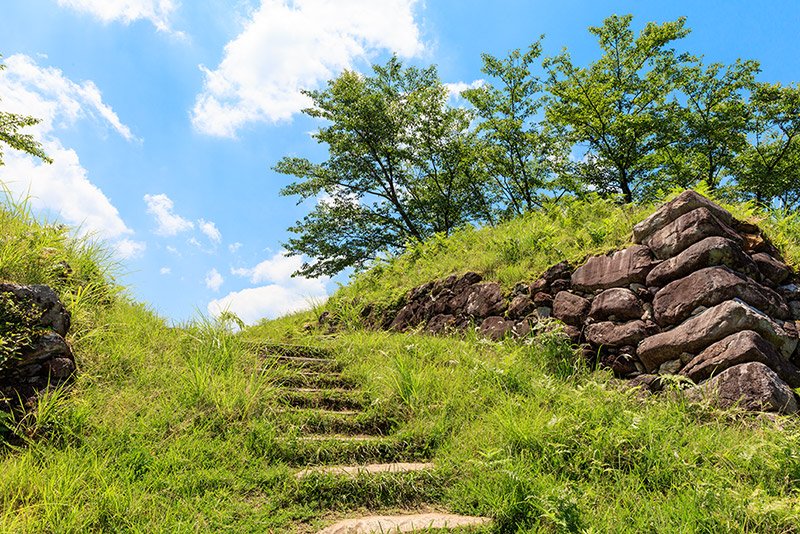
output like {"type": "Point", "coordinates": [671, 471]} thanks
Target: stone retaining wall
{"type": "Point", "coordinates": [699, 294]}
{"type": "Point", "coordinates": [34, 355]}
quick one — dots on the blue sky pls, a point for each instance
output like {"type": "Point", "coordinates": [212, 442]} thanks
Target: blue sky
{"type": "Point", "coordinates": [165, 117]}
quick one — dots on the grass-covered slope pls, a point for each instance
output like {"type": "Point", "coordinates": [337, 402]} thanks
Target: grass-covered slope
{"type": "Point", "coordinates": [188, 429]}
{"type": "Point", "coordinates": [523, 248]}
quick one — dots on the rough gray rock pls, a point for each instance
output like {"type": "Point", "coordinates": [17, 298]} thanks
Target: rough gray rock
{"type": "Point", "coordinates": [773, 270]}
{"type": "Point", "coordinates": [742, 347]}
{"type": "Point", "coordinates": [441, 323]}
{"type": "Point", "coordinates": [687, 230]}
{"type": "Point", "coordinates": [680, 205]}
{"type": "Point", "coordinates": [712, 325]}
{"type": "Point", "coordinates": [486, 300]}
{"type": "Point", "coordinates": [705, 253]}
{"type": "Point", "coordinates": [520, 306]}
{"type": "Point", "coordinates": [49, 310]}
{"type": "Point", "coordinates": [615, 269]}
{"type": "Point", "coordinates": [610, 334]}
{"type": "Point", "coordinates": [619, 304]}
{"type": "Point", "coordinates": [710, 286]}
{"type": "Point", "coordinates": [570, 308]}
{"type": "Point", "coordinates": [496, 328]}
{"type": "Point", "coordinates": [751, 386]}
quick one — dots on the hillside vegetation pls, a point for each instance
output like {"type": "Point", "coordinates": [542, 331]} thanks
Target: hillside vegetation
{"type": "Point", "coordinates": [188, 429]}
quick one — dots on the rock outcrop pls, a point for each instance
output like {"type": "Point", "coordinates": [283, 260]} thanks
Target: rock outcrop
{"type": "Point", "coordinates": [33, 354]}
{"type": "Point", "coordinates": [699, 294]}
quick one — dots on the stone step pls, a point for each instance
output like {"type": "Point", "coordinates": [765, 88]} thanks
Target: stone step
{"type": "Point", "coordinates": [330, 399]}
{"type": "Point", "coordinates": [323, 421]}
{"type": "Point", "coordinates": [312, 378]}
{"type": "Point", "coordinates": [356, 470]}
{"type": "Point", "coordinates": [303, 362]}
{"type": "Point", "coordinates": [386, 524]}
{"type": "Point", "coordinates": [339, 449]}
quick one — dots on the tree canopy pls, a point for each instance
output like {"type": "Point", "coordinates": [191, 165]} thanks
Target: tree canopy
{"type": "Point", "coordinates": [406, 162]}
{"type": "Point", "coordinates": [11, 125]}
{"type": "Point", "coordinates": [401, 167]}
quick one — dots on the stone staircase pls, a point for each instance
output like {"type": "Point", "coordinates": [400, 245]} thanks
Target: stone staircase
{"type": "Point", "coordinates": [330, 432]}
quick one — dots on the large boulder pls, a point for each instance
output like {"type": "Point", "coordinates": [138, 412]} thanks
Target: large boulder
{"type": "Point", "coordinates": [687, 230]}
{"type": "Point", "coordinates": [714, 324]}
{"type": "Point", "coordinates": [705, 253]}
{"type": "Point", "coordinates": [607, 333]}
{"type": "Point", "coordinates": [616, 304]}
{"type": "Point", "coordinates": [680, 205]}
{"type": "Point", "coordinates": [742, 347]}
{"type": "Point", "coordinates": [751, 386]}
{"type": "Point", "coordinates": [570, 308]}
{"type": "Point", "coordinates": [710, 286]}
{"type": "Point", "coordinates": [620, 268]}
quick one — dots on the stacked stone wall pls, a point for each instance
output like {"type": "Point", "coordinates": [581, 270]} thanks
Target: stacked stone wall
{"type": "Point", "coordinates": [699, 294]}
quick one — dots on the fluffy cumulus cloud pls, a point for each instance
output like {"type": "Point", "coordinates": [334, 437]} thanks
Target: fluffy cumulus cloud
{"type": "Point", "coordinates": [210, 230]}
{"type": "Point", "coordinates": [62, 188]}
{"type": "Point", "coordinates": [128, 248]}
{"type": "Point", "coordinates": [455, 89]}
{"type": "Point", "coordinates": [168, 223]}
{"type": "Point", "coordinates": [214, 280]}
{"type": "Point", "coordinates": [126, 11]}
{"type": "Point", "coordinates": [289, 45]}
{"type": "Point", "coordinates": [280, 294]}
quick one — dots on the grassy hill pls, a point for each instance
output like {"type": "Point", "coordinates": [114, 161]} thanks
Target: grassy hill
{"type": "Point", "coordinates": [197, 429]}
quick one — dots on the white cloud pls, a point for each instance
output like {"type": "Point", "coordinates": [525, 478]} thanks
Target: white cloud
{"type": "Point", "coordinates": [234, 247]}
{"type": "Point", "coordinates": [269, 301]}
{"type": "Point", "coordinates": [127, 249]}
{"type": "Point", "coordinates": [169, 223]}
{"type": "Point", "coordinates": [165, 270]}
{"type": "Point", "coordinates": [214, 280]}
{"type": "Point", "coordinates": [455, 89]}
{"type": "Point", "coordinates": [278, 268]}
{"type": "Point", "coordinates": [210, 230]}
{"type": "Point", "coordinates": [291, 45]}
{"type": "Point", "coordinates": [62, 188]}
{"type": "Point", "coordinates": [282, 294]}
{"type": "Point", "coordinates": [126, 11]}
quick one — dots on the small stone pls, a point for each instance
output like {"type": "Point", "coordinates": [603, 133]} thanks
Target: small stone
{"type": "Point", "coordinates": [670, 367]}
{"type": "Point", "coordinates": [496, 328]}
{"type": "Point", "coordinates": [543, 299]}
{"type": "Point", "coordinates": [544, 312]}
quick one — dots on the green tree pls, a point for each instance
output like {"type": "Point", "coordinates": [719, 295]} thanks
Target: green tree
{"type": "Point", "coordinates": [618, 107]}
{"type": "Point", "coordinates": [10, 134]}
{"type": "Point", "coordinates": [401, 167]}
{"type": "Point", "coordinates": [712, 122]}
{"type": "Point", "coordinates": [769, 167]}
{"type": "Point", "coordinates": [522, 155]}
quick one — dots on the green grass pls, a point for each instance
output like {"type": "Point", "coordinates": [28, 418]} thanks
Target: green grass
{"type": "Point", "coordinates": [186, 429]}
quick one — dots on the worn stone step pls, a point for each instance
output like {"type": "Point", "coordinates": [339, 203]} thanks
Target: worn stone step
{"type": "Point", "coordinates": [330, 399]}
{"type": "Point", "coordinates": [366, 469]}
{"type": "Point", "coordinates": [287, 349]}
{"type": "Point", "coordinates": [336, 449]}
{"type": "Point", "coordinates": [324, 421]}
{"type": "Point", "coordinates": [303, 362]}
{"type": "Point", "coordinates": [386, 524]}
{"type": "Point", "coordinates": [313, 378]}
